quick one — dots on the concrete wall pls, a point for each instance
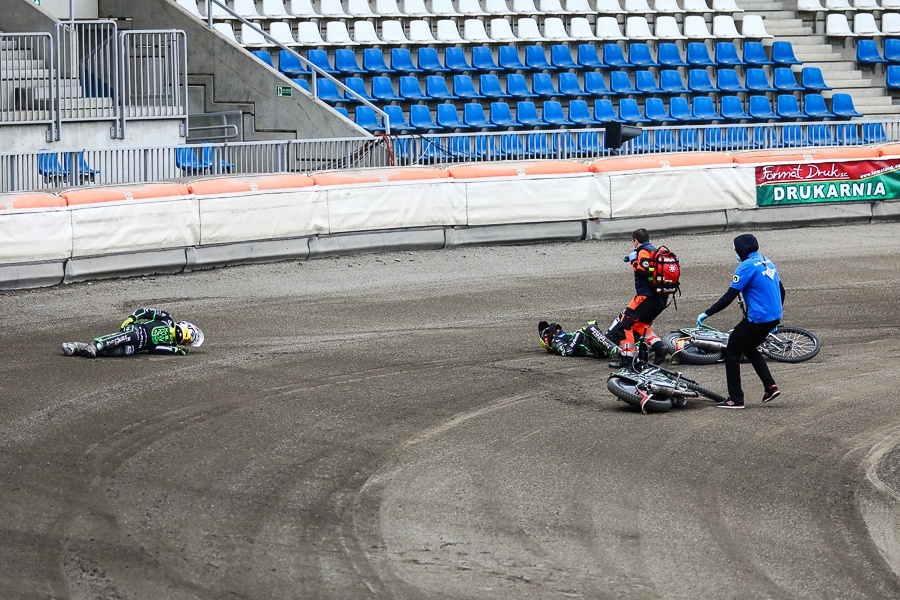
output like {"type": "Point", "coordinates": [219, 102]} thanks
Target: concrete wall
{"type": "Point", "coordinates": [83, 9]}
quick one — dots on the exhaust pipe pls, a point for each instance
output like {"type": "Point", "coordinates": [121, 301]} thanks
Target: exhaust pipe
{"type": "Point", "coordinates": [710, 345]}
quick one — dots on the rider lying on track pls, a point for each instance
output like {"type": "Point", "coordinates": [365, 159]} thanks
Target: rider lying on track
{"type": "Point", "coordinates": [146, 329]}
{"type": "Point", "coordinates": [588, 341]}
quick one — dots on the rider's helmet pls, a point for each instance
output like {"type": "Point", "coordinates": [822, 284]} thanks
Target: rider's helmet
{"type": "Point", "coordinates": [548, 331]}
{"type": "Point", "coordinates": [188, 334]}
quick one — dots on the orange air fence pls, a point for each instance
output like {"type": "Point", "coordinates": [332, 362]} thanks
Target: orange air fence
{"type": "Point", "coordinates": [15, 201]}
{"type": "Point", "coordinates": [657, 161]}
{"type": "Point", "coordinates": [235, 185]}
{"type": "Point", "coordinates": [794, 155]}
{"type": "Point", "coordinates": [92, 195]}
{"type": "Point", "coordinates": [379, 175]}
{"type": "Point", "coordinates": [514, 169]}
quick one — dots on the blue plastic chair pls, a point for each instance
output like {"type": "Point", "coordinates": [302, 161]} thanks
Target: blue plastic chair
{"type": "Point", "coordinates": [630, 112]}
{"type": "Point", "coordinates": [264, 56]}
{"type": "Point", "coordinates": [483, 59]}
{"type": "Point", "coordinates": [815, 107]}
{"type": "Point", "coordinates": [383, 89]}
{"type": "Point", "coordinates": [82, 169]}
{"type": "Point", "coordinates": [644, 143]}
{"type": "Point", "coordinates": [689, 138]}
{"type": "Point", "coordinates": [614, 57]}
{"type": "Point", "coordinates": [561, 58]}
{"type": "Point", "coordinates": [842, 106]}
{"type": "Point", "coordinates": [595, 85]}
{"type": "Point", "coordinates": [489, 86]}
{"type": "Point", "coordinates": [873, 133]}
{"type": "Point", "coordinates": [812, 80]}
{"type": "Point", "coordinates": [667, 140]}
{"type": "Point", "coordinates": [508, 59]}
{"type": "Point", "coordinates": [345, 62]}
{"type": "Point", "coordinates": [542, 85]}
{"type": "Point", "coordinates": [669, 55]}
{"type": "Point", "coordinates": [501, 115]}
{"type": "Point", "coordinates": [320, 59]}
{"type": "Point", "coordinates": [590, 143]}
{"type": "Point", "coordinates": [454, 60]}
{"type": "Point", "coordinates": [587, 57]}
{"type": "Point", "coordinates": [536, 59]}
{"type": "Point", "coordinates": [436, 88]}
{"type": "Point", "coordinates": [402, 61]}
{"type": "Point", "coordinates": [755, 54]}
{"type": "Point", "coordinates": [475, 118]}
{"type": "Point", "coordinates": [527, 114]}
{"type": "Point", "coordinates": [698, 55]}
{"type": "Point", "coordinates": [655, 111]}
{"type": "Point", "coordinates": [733, 109]}
{"type": "Point", "coordinates": [867, 53]}
{"type": "Point", "coordinates": [757, 80]}
{"type": "Point", "coordinates": [670, 82]}
{"type": "Point", "coordinates": [726, 54]}
{"type": "Point", "coordinates": [420, 117]}
{"type": "Point", "coordinates": [373, 61]}
{"type": "Point", "coordinates": [759, 108]}
{"type": "Point", "coordinates": [291, 66]}
{"type": "Point", "coordinates": [447, 117]}
{"type": "Point", "coordinates": [328, 91]}
{"type": "Point", "coordinates": [847, 134]}
{"type": "Point", "coordinates": [428, 61]}
{"type": "Point", "coordinates": [819, 135]}
{"type": "Point", "coordinates": [713, 139]}
{"type": "Point", "coordinates": [700, 83]}
{"type": "Point", "coordinates": [517, 87]}
{"type": "Point", "coordinates": [358, 85]}
{"type": "Point", "coordinates": [540, 144]}
{"type": "Point", "coordinates": [51, 169]}
{"type": "Point", "coordinates": [727, 80]}
{"type": "Point", "coordinates": [892, 77]}
{"type": "Point", "coordinates": [186, 159]}
{"type": "Point", "coordinates": [680, 109]}
{"type": "Point", "coordinates": [580, 113]}
{"type": "Point", "coordinates": [302, 83]}
{"type": "Point", "coordinates": [210, 155]}
{"type": "Point", "coordinates": [605, 112]}
{"type": "Point", "coordinates": [342, 111]}
{"type": "Point", "coordinates": [367, 118]}
{"type": "Point", "coordinates": [892, 49]}
{"type": "Point", "coordinates": [640, 56]}
{"type": "Point", "coordinates": [620, 83]}
{"type": "Point", "coordinates": [787, 107]}
{"type": "Point", "coordinates": [464, 87]}
{"type": "Point", "coordinates": [645, 83]}
{"type": "Point", "coordinates": [783, 54]}
{"type": "Point", "coordinates": [704, 109]}
{"type": "Point", "coordinates": [398, 121]}
{"type": "Point", "coordinates": [792, 136]}
{"type": "Point", "coordinates": [552, 113]}
{"type": "Point", "coordinates": [410, 89]}
{"type": "Point", "coordinates": [569, 86]}
{"type": "Point", "coordinates": [784, 80]}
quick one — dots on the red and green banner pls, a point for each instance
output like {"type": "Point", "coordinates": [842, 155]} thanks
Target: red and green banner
{"type": "Point", "coordinates": [810, 183]}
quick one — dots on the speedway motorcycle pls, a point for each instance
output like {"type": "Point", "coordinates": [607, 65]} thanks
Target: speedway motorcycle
{"type": "Point", "coordinates": [705, 345]}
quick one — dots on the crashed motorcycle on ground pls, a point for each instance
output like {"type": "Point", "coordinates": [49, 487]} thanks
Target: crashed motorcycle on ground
{"type": "Point", "coordinates": [705, 345]}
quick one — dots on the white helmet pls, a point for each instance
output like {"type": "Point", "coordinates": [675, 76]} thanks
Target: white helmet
{"type": "Point", "coordinates": [188, 334]}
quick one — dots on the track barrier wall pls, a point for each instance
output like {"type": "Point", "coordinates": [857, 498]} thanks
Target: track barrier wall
{"type": "Point", "coordinates": [100, 232]}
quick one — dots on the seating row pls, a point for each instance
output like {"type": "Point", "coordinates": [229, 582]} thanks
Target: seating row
{"type": "Point", "coordinates": [864, 25]}
{"type": "Point", "coordinates": [868, 51]}
{"type": "Point", "coordinates": [846, 5]}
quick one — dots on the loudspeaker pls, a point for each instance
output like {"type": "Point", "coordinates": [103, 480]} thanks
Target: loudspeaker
{"type": "Point", "coordinates": [617, 134]}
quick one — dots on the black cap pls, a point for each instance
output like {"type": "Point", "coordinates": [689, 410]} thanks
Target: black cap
{"type": "Point", "coordinates": [745, 244]}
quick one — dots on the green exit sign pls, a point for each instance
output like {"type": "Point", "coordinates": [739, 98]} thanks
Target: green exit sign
{"type": "Point", "coordinates": [38, 2]}
{"type": "Point", "coordinates": [283, 91]}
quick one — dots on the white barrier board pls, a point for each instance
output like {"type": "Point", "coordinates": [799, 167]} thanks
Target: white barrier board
{"type": "Point", "coordinates": [267, 215]}
{"type": "Point", "coordinates": [35, 235]}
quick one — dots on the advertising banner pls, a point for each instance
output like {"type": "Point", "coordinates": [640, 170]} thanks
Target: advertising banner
{"type": "Point", "coordinates": [810, 183]}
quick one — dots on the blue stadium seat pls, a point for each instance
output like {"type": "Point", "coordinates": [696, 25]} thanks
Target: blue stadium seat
{"type": "Point", "coordinates": [428, 61]}
{"type": "Point", "coordinates": [867, 53]}
{"type": "Point", "coordinates": [397, 119]}
{"type": "Point", "coordinates": [552, 113]}
{"type": "Point", "coordinates": [527, 114]}
{"type": "Point", "coordinates": [367, 118]}
{"type": "Point", "coordinates": [783, 54]}
{"type": "Point", "coordinates": [645, 83]}
{"type": "Point", "coordinates": [669, 55]}
{"type": "Point", "coordinates": [670, 82]}
{"type": "Point", "coordinates": [667, 140]}
{"type": "Point", "coordinates": [358, 85]}
{"type": "Point", "coordinates": [726, 54]}
{"type": "Point", "coordinates": [383, 89]}
{"type": "Point", "coordinates": [655, 111]}
{"type": "Point", "coordinates": [536, 59]}
{"type": "Point", "coordinates": [345, 62]}
{"type": "Point", "coordinates": [630, 112]}
{"type": "Point", "coordinates": [689, 138]}
{"type": "Point", "coordinates": [815, 107]}
{"type": "Point", "coordinates": [713, 139]}
{"type": "Point", "coordinates": [542, 85]}
{"type": "Point", "coordinates": [646, 142]}
{"type": "Point", "coordinates": [590, 142]}
{"type": "Point", "coordinates": [842, 106]}
{"type": "Point", "coordinates": [812, 80]}
{"type": "Point", "coordinates": [892, 49]}
{"type": "Point", "coordinates": [475, 118]}
{"type": "Point", "coordinates": [517, 86]}
{"type": "Point", "coordinates": [727, 80]}
{"type": "Point", "coordinates": [680, 109]}
{"type": "Point", "coordinates": [420, 118]}
{"type": "Point", "coordinates": [580, 113]}
{"type": "Point", "coordinates": [784, 80]}
{"type": "Point", "coordinates": [732, 108]}
{"type": "Point", "coordinates": [698, 55]}
{"type": "Point", "coordinates": [792, 136]}
{"type": "Point", "coordinates": [447, 117]}
{"type": "Point", "coordinates": [704, 109]}
{"type": "Point", "coordinates": [757, 80]}
{"type": "Point", "coordinates": [755, 54]}
{"type": "Point", "coordinates": [264, 56]}
{"type": "Point", "coordinates": [787, 107]}
{"type": "Point", "coordinates": [873, 133]}
{"type": "Point", "coordinates": [327, 90]}
{"type": "Point", "coordinates": [847, 134]}
{"type": "Point", "coordinates": [561, 58]}
{"type": "Point", "coordinates": [464, 87]}
{"type": "Point", "coordinates": [700, 83]}
{"type": "Point", "coordinates": [764, 137]}
{"type": "Point", "coordinates": [605, 112]}
{"type": "Point", "coordinates": [569, 86]}
{"type": "Point", "coordinates": [587, 57]}
{"type": "Point", "coordinates": [436, 88]}
{"type": "Point", "coordinates": [483, 59]}
{"type": "Point", "coordinates": [489, 86]}
{"type": "Point", "coordinates": [291, 66]}
{"type": "Point", "coordinates": [539, 144]}
{"type": "Point", "coordinates": [595, 85]}
{"type": "Point", "coordinates": [373, 61]}
{"type": "Point", "coordinates": [508, 59]}
{"type": "Point", "coordinates": [614, 57]}
{"type": "Point", "coordinates": [454, 149]}
{"type": "Point", "coordinates": [411, 89]}
{"type": "Point", "coordinates": [620, 83]}
{"type": "Point", "coordinates": [640, 56]}
{"type": "Point", "coordinates": [53, 170]}
{"type": "Point", "coordinates": [186, 159]}
{"type": "Point", "coordinates": [320, 59]}
{"type": "Point", "coordinates": [454, 60]}
{"type": "Point", "coordinates": [402, 61]}
{"type": "Point", "coordinates": [892, 77]}
{"type": "Point", "coordinates": [759, 108]}
{"type": "Point", "coordinates": [302, 83]}
{"type": "Point", "coordinates": [819, 135]}
{"type": "Point", "coordinates": [85, 172]}
{"type": "Point", "coordinates": [341, 110]}
{"type": "Point", "coordinates": [501, 115]}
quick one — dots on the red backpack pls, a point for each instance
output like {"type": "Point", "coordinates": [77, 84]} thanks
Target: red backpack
{"type": "Point", "coordinates": [665, 272]}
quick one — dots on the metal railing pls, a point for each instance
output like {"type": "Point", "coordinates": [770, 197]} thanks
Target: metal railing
{"type": "Point", "coordinates": [26, 81]}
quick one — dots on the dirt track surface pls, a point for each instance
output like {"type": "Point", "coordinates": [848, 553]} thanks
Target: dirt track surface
{"type": "Point", "coordinates": [386, 426]}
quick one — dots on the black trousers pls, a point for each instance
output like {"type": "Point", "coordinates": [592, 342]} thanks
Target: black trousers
{"type": "Point", "coordinates": [743, 341]}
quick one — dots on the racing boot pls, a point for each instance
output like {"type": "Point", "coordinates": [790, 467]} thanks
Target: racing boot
{"type": "Point", "coordinates": [659, 352]}
{"type": "Point", "coordinates": [624, 360]}
{"type": "Point", "coordinates": [79, 348]}
{"type": "Point", "coordinates": [69, 348]}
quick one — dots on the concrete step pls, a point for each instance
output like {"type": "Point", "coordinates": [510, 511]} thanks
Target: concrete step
{"type": "Point", "coordinates": [85, 105]}
{"type": "Point", "coordinates": [21, 74]}
{"type": "Point", "coordinates": [25, 64]}
{"type": "Point", "coordinates": [69, 88]}
{"type": "Point", "coordinates": [827, 62]}
{"type": "Point", "coordinates": [13, 54]}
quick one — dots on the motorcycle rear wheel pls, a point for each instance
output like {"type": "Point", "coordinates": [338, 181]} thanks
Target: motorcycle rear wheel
{"type": "Point", "coordinates": [704, 392]}
{"type": "Point", "coordinates": [799, 345]}
{"type": "Point", "coordinates": [690, 355]}
{"type": "Point", "coordinates": [626, 391]}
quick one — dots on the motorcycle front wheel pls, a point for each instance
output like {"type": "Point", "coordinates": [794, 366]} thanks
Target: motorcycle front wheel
{"type": "Point", "coordinates": [704, 392]}
{"type": "Point", "coordinates": [626, 391]}
{"type": "Point", "coordinates": [790, 345]}
{"type": "Point", "coordinates": [689, 355]}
